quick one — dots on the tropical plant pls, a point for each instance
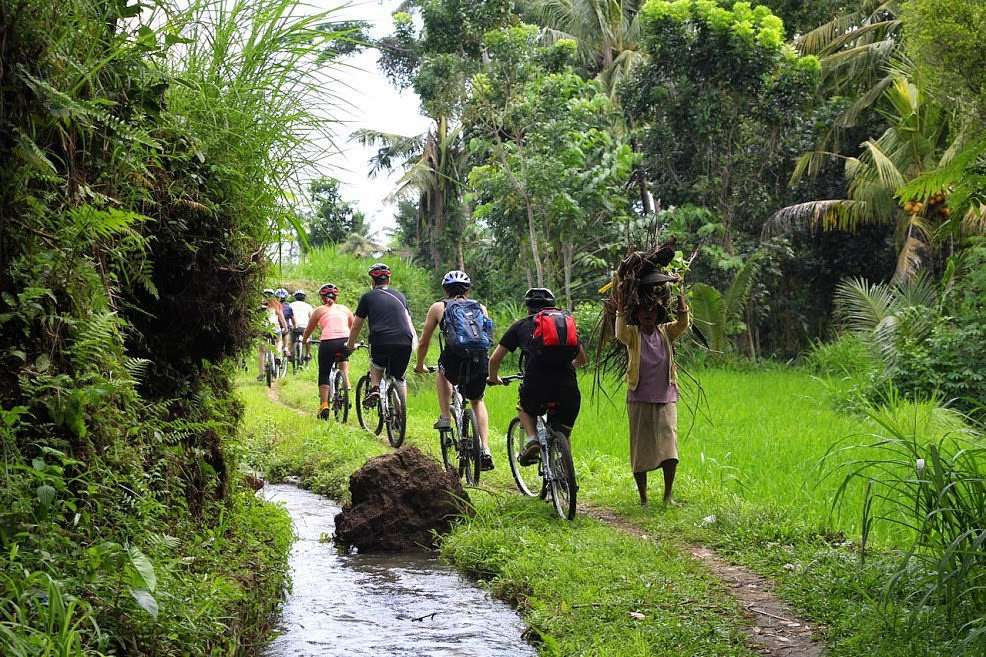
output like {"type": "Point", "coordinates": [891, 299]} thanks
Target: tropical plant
{"type": "Point", "coordinates": [607, 33]}
{"type": "Point", "coordinates": [718, 316]}
{"type": "Point", "coordinates": [923, 476]}
{"type": "Point", "coordinates": [915, 143]}
{"type": "Point", "coordinates": [433, 167]}
{"type": "Point", "coordinates": [333, 218]}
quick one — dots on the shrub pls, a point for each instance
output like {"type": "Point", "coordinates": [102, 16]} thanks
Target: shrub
{"type": "Point", "coordinates": [847, 356]}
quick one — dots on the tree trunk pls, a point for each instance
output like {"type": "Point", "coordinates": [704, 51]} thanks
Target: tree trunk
{"type": "Point", "coordinates": [567, 255]}
{"type": "Point", "coordinates": [538, 266]}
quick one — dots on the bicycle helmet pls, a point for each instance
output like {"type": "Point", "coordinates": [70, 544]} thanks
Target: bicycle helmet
{"type": "Point", "coordinates": [539, 297]}
{"type": "Point", "coordinates": [456, 277]}
{"type": "Point", "coordinates": [379, 270]}
{"type": "Point", "coordinates": [299, 295]}
{"type": "Point", "coordinates": [328, 291]}
{"type": "Point", "coordinates": [268, 292]}
{"type": "Point", "coordinates": [281, 294]}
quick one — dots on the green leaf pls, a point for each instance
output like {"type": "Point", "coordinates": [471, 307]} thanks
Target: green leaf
{"type": "Point", "coordinates": [46, 495]}
{"type": "Point", "coordinates": [145, 600]}
{"type": "Point", "coordinates": [144, 568]}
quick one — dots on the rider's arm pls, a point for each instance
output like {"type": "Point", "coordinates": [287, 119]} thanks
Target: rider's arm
{"type": "Point", "coordinates": [581, 358]}
{"type": "Point", "coordinates": [431, 321]}
{"type": "Point", "coordinates": [281, 320]}
{"type": "Point", "coordinates": [498, 355]}
{"type": "Point", "coordinates": [312, 323]}
{"type": "Point", "coordinates": [354, 332]}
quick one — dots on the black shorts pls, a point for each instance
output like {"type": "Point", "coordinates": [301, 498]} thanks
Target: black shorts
{"type": "Point", "coordinates": [329, 352]}
{"type": "Point", "coordinates": [467, 373]}
{"type": "Point", "coordinates": [392, 358]}
{"type": "Point", "coordinates": [559, 398]}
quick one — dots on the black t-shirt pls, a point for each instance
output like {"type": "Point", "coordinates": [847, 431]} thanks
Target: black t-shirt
{"type": "Point", "coordinates": [521, 334]}
{"type": "Point", "coordinates": [386, 311]}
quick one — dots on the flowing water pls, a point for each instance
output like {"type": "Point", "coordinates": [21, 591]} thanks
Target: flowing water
{"type": "Point", "coordinates": [381, 605]}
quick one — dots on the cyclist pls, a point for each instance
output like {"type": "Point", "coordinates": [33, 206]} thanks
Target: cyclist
{"type": "Point", "coordinates": [461, 367]}
{"type": "Point", "coordinates": [282, 296]}
{"type": "Point", "coordinates": [549, 379]}
{"type": "Point", "coordinates": [392, 334]}
{"type": "Point", "coordinates": [276, 326]}
{"type": "Point", "coordinates": [302, 311]}
{"type": "Point", "coordinates": [335, 320]}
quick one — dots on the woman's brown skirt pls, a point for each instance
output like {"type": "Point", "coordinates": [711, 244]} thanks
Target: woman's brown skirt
{"type": "Point", "coordinates": [653, 434]}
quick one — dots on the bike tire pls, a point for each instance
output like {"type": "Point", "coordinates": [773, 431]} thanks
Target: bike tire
{"type": "Point", "coordinates": [527, 478]}
{"type": "Point", "coordinates": [269, 372]}
{"type": "Point", "coordinates": [471, 452]}
{"type": "Point", "coordinates": [296, 357]}
{"type": "Point", "coordinates": [447, 441]}
{"type": "Point", "coordinates": [369, 419]}
{"type": "Point", "coordinates": [340, 400]}
{"type": "Point", "coordinates": [397, 416]}
{"type": "Point", "coordinates": [564, 488]}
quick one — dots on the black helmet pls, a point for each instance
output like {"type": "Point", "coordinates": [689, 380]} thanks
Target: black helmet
{"type": "Point", "coordinates": [379, 270]}
{"type": "Point", "coordinates": [539, 297]}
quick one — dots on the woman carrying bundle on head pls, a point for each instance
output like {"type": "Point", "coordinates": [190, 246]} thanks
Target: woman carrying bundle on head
{"type": "Point", "coordinates": [647, 331]}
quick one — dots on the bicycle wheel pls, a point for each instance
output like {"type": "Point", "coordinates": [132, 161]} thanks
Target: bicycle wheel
{"type": "Point", "coordinates": [340, 400]}
{"type": "Point", "coordinates": [396, 415]}
{"type": "Point", "coordinates": [296, 356]}
{"type": "Point", "coordinates": [269, 370]}
{"type": "Point", "coordinates": [447, 440]}
{"type": "Point", "coordinates": [526, 477]}
{"type": "Point", "coordinates": [470, 450]}
{"type": "Point", "coordinates": [563, 485]}
{"type": "Point", "coordinates": [369, 418]}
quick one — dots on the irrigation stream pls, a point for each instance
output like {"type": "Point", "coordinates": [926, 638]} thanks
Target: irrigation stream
{"type": "Point", "coordinates": [381, 605]}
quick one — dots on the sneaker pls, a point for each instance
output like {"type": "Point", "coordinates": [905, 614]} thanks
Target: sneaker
{"type": "Point", "coordinates": [324, 413]}
{"type": "Point", "coordinates": [372, 397]}
{"type": "Point", "coordinates": [531, 453]}
{"type": "Point", "coordinates": [260, 377]}
{"type": "Point", "coordinates": [486, 463]}
{"type": "Point", "coordinates": [442, 423]}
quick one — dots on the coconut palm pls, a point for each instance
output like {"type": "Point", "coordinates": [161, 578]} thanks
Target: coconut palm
{"type": "Point", "coordinates": [607, 33]}
{"type": "Point", "coordinates": [433, 163]}
{"type": "Point", "coordinates": [913, 145]}
{"type": "Point", "coordinates": [855, 49]}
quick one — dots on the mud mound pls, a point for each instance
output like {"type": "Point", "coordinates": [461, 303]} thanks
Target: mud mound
{"type": "Point", "coordinates": [398, 500]}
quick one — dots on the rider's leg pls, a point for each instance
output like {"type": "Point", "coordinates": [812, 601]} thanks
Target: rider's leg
{"type": "Point", "coordinates": [482, 421]}
{"type": "Point", "coordinates": [344, 366]}
{"type": "Point", "coordinates": [529, 422]}
{"type": "Point", "coordinates": [670, 466]}
{"type": "Point", "coordinates": [260, 358]}
{"type": "Point", "coordinates": [444, 394]}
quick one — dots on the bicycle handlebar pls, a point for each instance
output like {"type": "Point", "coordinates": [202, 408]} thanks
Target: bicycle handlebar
{"type": "Point", "coordinates": [513, 377]}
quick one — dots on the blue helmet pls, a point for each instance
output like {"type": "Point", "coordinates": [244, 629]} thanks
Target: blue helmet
{"type": "Point", "coordinates": [281, 294]}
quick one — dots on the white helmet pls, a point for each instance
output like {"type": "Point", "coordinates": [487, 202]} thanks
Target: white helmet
{"type": "Point", "coordinates": [456, 277]}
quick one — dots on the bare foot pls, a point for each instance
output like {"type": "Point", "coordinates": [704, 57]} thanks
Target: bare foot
{"type": "Point", "coordinates": [671, 503]}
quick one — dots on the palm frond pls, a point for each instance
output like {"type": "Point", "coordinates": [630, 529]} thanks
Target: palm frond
{"type": "Point", "coordinates": [861, 306]}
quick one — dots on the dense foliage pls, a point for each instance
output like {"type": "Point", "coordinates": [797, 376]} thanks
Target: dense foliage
{"type": "Point", "coordinates": [140, 184]}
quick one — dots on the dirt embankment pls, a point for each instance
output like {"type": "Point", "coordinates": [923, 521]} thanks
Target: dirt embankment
{"type": "Point", "coordinates": [400, 501]}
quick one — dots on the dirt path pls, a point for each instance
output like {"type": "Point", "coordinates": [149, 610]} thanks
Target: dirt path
{"type": "Point", "coordinates": [774, 628]}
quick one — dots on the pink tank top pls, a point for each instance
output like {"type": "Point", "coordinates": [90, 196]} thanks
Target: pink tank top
{"type": "Point", "coordinates": [335, 322]}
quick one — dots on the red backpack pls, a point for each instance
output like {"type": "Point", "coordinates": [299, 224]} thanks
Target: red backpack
{"type": "Point", "coordinates": [556, 337]}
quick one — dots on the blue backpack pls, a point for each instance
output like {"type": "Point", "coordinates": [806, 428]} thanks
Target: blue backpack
{"type": "Point", "coordinates": [466, 329]}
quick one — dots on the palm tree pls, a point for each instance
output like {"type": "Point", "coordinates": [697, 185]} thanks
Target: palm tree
{"type": "Point", "coordinates": [855, 49]}
{"type": "Point", "coordinates": [432, 163]}
{"type": "Point", "coordinates": [913, 145]}
{"type": "Point", "coordinates": [607, 33]}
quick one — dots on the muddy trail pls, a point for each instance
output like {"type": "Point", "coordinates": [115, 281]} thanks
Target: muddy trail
{"type": "Point", "coordinates": [387, 605]}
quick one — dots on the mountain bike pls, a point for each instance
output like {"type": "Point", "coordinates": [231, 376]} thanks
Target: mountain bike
{"type": "Point", "coordinates": [297, 350]}
{"type": "Point", "coordinates": [338, 393]}
{"type": "Point", "coordinates": [390, 409]}
{"type": "Point", "coordinates": [555, 469]}
{"type": "Point", "coordinates": [462, 451]}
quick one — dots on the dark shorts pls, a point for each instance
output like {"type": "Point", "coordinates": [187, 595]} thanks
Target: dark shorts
{"type": "Point", "coordinates": [329, 352]}
{"type": "Point", "coordinates": [559, 398]}
{"type": "Point", "coordinates": [467, 373]}
{"type": "Point", "coordinates": [393, 359]}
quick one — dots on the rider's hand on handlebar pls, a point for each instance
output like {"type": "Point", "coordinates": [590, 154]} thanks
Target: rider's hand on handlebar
{"type": "Point", "coordinates": [495, 381]}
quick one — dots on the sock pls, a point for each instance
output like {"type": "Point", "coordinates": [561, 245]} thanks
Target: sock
{"type": "Point", "coordinates": [325, 404]}
{"type": "Point", "coordinates": [532, 439]}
